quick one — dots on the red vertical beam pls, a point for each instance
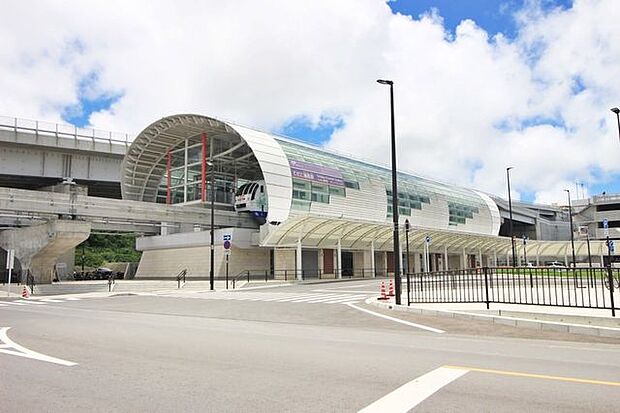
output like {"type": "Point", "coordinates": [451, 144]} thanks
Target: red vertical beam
{"type": "Point", "coordinates": [203, 188]}
{"type": "Point", "coordinates": [168, 178]}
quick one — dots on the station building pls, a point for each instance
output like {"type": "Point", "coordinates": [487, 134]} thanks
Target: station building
{"type": "Point", "coordinates": [317, 213]}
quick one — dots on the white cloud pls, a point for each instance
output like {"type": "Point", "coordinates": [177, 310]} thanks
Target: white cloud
{"type": "Point", "coordinates": [461, 100]}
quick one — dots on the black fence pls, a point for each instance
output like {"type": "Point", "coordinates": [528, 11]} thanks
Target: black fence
{"type": "Point", "coordinates": [561, 287]}
{"type": "Point", "coordinates": [292, 274]}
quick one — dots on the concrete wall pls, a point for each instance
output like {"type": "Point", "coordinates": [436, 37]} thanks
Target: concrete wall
{"type": "Point", "coordinates": [167, 263]}
{"type": "Point", "coordinates": [284, 260]}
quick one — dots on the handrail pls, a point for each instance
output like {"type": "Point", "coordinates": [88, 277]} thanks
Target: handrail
{"type": "Point", "coordinates": [181, 276]}
{"type": "Point", "coordinates": [30, 281]}
{"type": "Point", "coordinates": [292, 274]}
{"type": "Point", "coordinates": [59, 129]}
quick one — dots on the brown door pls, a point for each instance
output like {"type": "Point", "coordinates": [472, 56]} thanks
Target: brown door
{"type": "Point", "coordinates": [390, 262]}
{"type": "Point", "coordinates": [328, 261]}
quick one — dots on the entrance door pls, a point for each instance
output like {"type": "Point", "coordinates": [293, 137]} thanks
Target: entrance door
{"type": "Point", "coordinates": [328, 261]}
{"type": "Point", "coordinates": [310, 264]}
{"type": "Point", "coordinates": [347, 264]}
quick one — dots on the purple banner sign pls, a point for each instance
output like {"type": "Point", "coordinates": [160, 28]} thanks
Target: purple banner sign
{"type": "Point", "coordinates": [316, 173]}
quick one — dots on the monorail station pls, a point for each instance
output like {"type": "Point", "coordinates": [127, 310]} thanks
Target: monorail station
{"type": "Point", "coordinates": [318, 213]}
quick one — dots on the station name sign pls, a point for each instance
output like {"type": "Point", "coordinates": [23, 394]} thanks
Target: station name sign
{"type": "Point", "coordinates": [316, 173]}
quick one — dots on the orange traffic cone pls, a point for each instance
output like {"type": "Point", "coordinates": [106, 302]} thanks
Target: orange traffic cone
{"type": "Point", "coordinates": [391, 293]}
{"type": "Point", "coordinates": [382, 292]}
{"type": "Point", "coordinates": [25, 293]}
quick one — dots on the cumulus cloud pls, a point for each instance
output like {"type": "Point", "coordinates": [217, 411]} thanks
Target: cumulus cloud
{"type": "Point", "coordinates": [467, 104]}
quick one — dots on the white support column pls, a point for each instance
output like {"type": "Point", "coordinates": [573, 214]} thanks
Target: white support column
{"type": "Point", "coordinates": [445, 258]}
{"type": "Point", "coordinates": [417, 263]}
{"type": "Point", "coordinates": [494, 258]}
{"type": "Point", "coordinates": [372, 259]}
{"type": "Point", "coordinates": [508, 259]}
{"type": "Point", "coordinates": [339, 252]}
{"type": "Point", "coordinates": [480, 257]}
{"type": "Point", "coordinates": [538, 256]}
{"type": "Point", "coordinates": [298, 263]}
{"type": "Point", "coordinates": [464, 260]}
{"type": "Point", "coordinates": [400, 258]}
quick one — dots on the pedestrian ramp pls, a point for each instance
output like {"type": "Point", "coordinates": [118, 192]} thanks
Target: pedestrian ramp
{"type": "Point", "coordinates": [279, 297]}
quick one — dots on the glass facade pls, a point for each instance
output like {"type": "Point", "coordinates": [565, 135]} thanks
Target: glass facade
{"type": "Point", "coordinates": [414, 192]}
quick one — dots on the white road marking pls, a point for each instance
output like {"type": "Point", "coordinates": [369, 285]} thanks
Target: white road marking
{"type": "Point", "coordinates": [72, 299]}
{"type": "Point", "coordinates": [350, 291]}
{"type": "Point", "coordinates": [321, 298]}
{"type": "Point", "coordinates": [15, 303]}
{"type": "Point", "coordinates": [397, 320]}
{"type": "Point", "coordinates": [29, 302]}
{"type": "Point", "coordinates": [22, 351]}
{"type": "Point", "coordinates": [50, 300]}
{"type": "Point", "coordinates": [409, 395]}
{"type": "Point", "coordinates": [333, 299]}
{"type": "Point", "coordinates": [354, 286]}
{"type": "Point", "coordinates": [356, 298]}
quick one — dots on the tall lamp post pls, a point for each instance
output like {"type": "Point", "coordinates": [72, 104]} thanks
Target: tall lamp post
{"type": "Point", "coordinates": [397, 285]}
{"type": "Point", "coordinates": [617, 112]}
{"type": "Point", "coordinates": [512, 235]}
{"type": "Point", "coordinates": [570, 219]}
{"type": "Point", "coordinates": [212, 257]}
{"type": "Point", "coordinates": [407, 227]}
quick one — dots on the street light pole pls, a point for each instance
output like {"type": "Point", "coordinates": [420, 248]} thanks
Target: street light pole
{"type": "Point", "coordinates": [570, 219]}
{"type": "Point", "coordinates": [212, 257]}
{"type": "Point", "coordinates": [407, 226]}
{"type": "Point", "coordinates": [617, 112]}
{"type": "Point", "coordinates": [512, 236]}
{"type": "Point", "coordinates": [397, 284]}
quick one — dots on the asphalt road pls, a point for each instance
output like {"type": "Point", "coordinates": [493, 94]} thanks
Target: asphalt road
{"type": "Point", "coordinates": [272, 350]}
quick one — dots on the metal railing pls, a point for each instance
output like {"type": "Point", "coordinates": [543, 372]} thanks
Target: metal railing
{"type": "Point", "coordinates": [294, 274]}
{"type": "Point", "coordinates": [30, 283]}
{"type": "Point", "coordinates": [38, 127]}
{"type": "Point", "coordinates": [181, 277]}
{"type": "Point", "coordinates": [595, 288]}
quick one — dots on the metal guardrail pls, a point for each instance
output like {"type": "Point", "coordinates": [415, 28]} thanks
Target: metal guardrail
{"type": "Point", "coordinates": [57, 129]}
{"type": "Point", "coordinates": [292, 274]}
{"type": "Point", "coordinates": [594, 288]}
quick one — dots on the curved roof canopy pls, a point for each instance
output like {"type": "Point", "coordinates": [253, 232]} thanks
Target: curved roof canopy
{"type": "Point", "coordinates": [234, 150]}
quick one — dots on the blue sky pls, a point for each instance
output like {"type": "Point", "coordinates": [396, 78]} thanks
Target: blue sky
{"type": "Point", "coordinates": [311, 109]}
{"type": "Point", "coordinates": [495, 16]}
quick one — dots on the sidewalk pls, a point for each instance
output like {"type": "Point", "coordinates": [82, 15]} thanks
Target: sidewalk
{"type": "Point", "coordinates": [571, 320]}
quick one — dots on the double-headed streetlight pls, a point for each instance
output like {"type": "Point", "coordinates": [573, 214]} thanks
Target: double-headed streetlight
{"type": "Point", "coordinates": [397, 286]}
{"type": "Point", "coordinates": [570, 219]}
{"type": "Point", "coordinates": [617, 112]}
{"type": "Point", "coordinates": [512, 236]}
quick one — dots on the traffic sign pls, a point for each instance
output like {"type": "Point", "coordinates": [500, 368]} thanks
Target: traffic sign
{"type": "Point", "coordinates": [428, 239]}
{"type": "Point", "coordinates": [612, 246]}
{"type": "Point", "coordinates": [606, 227]}
{"type": "Point", "coordinates": [227, 237]}
{"type": "Point", "coordinates": [227, 245]}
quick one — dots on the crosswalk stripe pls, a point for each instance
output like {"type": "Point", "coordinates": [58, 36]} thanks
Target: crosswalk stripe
{"type": "Point", "coordinates": [345, 300]}
{"type": "Point", "coordinates": [50, 300]}
{"type": "Point", "coordinates": [284, 296]}
{"type": "Point", "coordinates": [309, 297]}
{"type": "Point", "coordinates": [29, 302]}
{"type": "Point", "coordinates": [15, 303]}
{"type": "Point", "coordinates": [328, 298]}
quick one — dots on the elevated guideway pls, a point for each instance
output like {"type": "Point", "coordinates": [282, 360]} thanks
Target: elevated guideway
{"type": "Point", "coordinates": [20, 207]}
{"type": "Point", "coordinates": [35, 154]}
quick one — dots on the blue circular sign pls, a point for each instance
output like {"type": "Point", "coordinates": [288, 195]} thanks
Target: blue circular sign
{"type": "Point", "coordinates": [227, 245]}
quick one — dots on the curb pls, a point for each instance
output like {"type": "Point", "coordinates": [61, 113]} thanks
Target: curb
{"type": "Point", "coordinates": [517, 322]}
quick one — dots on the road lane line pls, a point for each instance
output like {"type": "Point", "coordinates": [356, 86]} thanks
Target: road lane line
{"type": "Point", "coordinates": [327, 298]}
{"type": "Point", "coordinates": [353, 286]}
{"type": "Point", "coordinates": [351, 291]}
{"type": "Point", "coordinates": [307, 297]}
{"type": "Point", "coordinates": [283, 296]}
{"type": "Point", "coordinates": [537, 376]}
{"type": "Point", "coordinates": [22, 351]}
{"type": "Point", "coordinates": [15, 303]}
{"type": "Point", "coordinates": [348, 297]}
{"type": "Point", "coordinates": [409, 395]}
{"type": "Point", "coordinates": [50, 300]}
{"type": "Point", "coordinates": [398, 320]}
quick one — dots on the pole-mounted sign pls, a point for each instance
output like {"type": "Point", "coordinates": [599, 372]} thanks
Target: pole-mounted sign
{"type": "Point", "coordinates": [606, 226]}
